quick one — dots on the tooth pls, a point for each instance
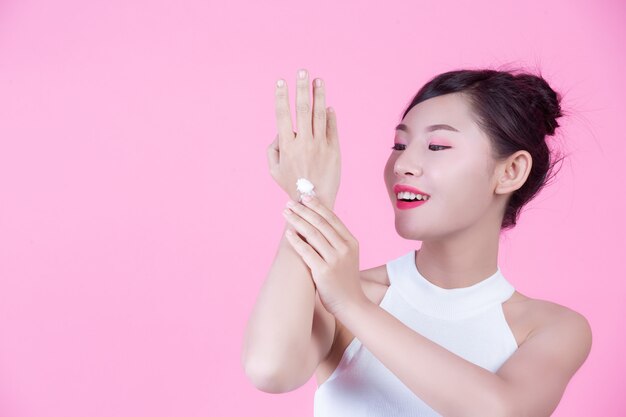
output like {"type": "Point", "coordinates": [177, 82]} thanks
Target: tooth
{"type": "Point", "coordinates": [409, 195]}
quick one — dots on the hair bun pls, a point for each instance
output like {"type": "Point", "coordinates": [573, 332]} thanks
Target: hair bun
{"type": "Point", "coordinates": [543, 99]}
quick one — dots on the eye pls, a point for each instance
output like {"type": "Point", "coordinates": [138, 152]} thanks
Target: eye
{"type": "Point", "coordinates": [394, 147]}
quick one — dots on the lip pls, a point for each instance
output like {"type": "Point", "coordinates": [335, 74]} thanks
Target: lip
{"type": "Point", "coordinates": [403, 205]}
{"type": "Point", "coordinates": [398, 188]}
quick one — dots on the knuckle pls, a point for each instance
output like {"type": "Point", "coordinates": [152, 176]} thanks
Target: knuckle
{"type": "Point", "coordinates": [343, 249]}
{"type": "Point", "coordinates": [282, 112]}
{"type": "Point", "coordinates": [303, 91]}
{"type": "Point", "coordinates": [332, 260]}
{"type": "Point", "coordinates": [305, 225]}
{"type": "Point", "coordinates": [303, 108]}
{"type": "Point", "coordinates": [317, 221]}
{"type": "Point", "coordinates": [319, 114]}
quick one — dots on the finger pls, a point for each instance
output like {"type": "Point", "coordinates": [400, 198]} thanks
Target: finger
{"type": "Point", "coordinates": [273, 154]}
{"type": "Point", "coordinates": [308, 254]}
{"type": "Point", "coordinates": [319, 109]}
{"type": "Point", "coordinates": [324, 220]}
{"type": "Point", "coordinates": [303, 105]}
{"type": "Point", "coordinates": [283, 114]}
{"type": "Point", "coordinates": [332, 135]}
{"type": "Point", "coordinates": [311, 234]}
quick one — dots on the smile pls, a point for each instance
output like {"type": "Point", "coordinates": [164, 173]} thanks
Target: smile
{"type": "Point", "coordinates": [403, 205]}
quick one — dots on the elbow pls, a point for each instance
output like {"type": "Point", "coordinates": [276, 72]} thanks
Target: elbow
{"type": "Point", "coordinates": [266, 379]}
{"type": "Point", "coordinates": [263, 378]}
{"type": "Point", "coordinates": [258, 372]}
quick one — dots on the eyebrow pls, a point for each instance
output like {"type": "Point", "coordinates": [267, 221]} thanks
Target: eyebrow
{"type": "Point", "coordinates": [430, 128]}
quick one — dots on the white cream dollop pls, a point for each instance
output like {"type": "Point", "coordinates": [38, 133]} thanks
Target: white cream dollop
{"type": "Point", "coordinates": [305, 186]}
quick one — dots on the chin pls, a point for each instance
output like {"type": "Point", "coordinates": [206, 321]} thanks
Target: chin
{"type": "Point", "coordinates": [405, 231]}
{"type": "Point", "coordinates": [419, 230]}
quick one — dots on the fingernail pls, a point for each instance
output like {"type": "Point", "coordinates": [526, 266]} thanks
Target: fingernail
{"type": "Point", "coordinates": [318, 82]}
{"type": "Point", "coordinates": [302, 74]}
{"type": "Point", "coordinates": [280, 83]}
{"type": "Point", "coordinates": [291, 203]}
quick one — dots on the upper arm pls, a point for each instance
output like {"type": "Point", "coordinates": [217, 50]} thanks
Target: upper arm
{"type": "Point", "coordinates": [536, 375]}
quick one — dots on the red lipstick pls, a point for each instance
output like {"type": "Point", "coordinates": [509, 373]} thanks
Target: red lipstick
{"type": "Point", "coordinates": [398, 188]}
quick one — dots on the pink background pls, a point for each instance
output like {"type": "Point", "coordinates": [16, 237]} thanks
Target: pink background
{"type": "Point", "coordinates": [138, 219]}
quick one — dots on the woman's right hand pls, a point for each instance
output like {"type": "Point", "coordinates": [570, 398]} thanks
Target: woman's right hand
{"type": "Point", "coordinates": [312, 153]}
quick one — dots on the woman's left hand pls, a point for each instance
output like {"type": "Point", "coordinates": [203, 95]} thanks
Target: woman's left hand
{"type": "Point", "coordinates": [330, 251]}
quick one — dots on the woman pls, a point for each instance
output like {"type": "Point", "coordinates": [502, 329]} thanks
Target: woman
{"type": "Point", "coordinates": [439, 330]}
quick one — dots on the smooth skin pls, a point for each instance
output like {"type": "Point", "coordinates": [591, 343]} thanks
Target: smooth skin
{"type": "Point", "coordinates": [289, 332]}
{"type": "Point", "coordinates": [313, 152]}
{"type": "Point", "coordinates": [460, 229]}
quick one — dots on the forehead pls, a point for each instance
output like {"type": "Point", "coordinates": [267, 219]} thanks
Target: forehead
{"type": "Point", "coordinates": [452, 109]}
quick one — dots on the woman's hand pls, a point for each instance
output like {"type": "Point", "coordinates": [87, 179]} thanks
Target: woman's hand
{"type": "Point", "coordinates": [329, 250]}
{"type": "Point", "coordinates": [312, 153]}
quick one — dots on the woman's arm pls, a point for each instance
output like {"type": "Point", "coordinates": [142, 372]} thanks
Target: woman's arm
{"type": "Point", "coordinates": [290, 331]}
{"type": "Point", "coordinates": [530, 383]}
{"type": "Point", "coordinates": [280, 350]}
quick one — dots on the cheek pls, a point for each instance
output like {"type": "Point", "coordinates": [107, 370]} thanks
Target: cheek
{"type": "Point", "coordinates": [471, 191]}
{"type": "Point", "coordinates": [463, 183]}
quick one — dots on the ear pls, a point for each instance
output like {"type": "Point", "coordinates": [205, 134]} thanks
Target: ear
{"type": "Point", "coordinates": [511, 173]}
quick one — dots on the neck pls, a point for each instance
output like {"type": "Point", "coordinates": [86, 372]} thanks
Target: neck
{"type": "Point", "coordinates": [460, 260]}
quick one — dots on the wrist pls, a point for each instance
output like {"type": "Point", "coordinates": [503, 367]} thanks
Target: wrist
{"type": "Point", "coordinates": [351, 313]}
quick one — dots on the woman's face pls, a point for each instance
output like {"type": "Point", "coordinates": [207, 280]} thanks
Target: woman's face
{"type": "Point", "coordinates": [454, 167]}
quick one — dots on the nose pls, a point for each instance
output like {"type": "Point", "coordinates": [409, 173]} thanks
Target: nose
{"type": "Point", "coordinates": [403, 167]}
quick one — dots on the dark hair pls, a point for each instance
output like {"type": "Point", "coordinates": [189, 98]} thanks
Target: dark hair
{"type": "Point", "coordinates": [516, 111]}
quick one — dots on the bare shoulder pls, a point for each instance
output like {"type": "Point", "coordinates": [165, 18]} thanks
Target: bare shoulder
{"type": "Point", "coordinates": [537, 373]}
{"type": "Point", "coordinates": [526, 315]}
{"type": "Point", "coordinates": [374, 282]}
{"type": "Point", "coordinates": [553, 316]}
{"type": "Point", "coordinates": [376, 275]}
{"type": "Point", "coordinates": [561, 315]}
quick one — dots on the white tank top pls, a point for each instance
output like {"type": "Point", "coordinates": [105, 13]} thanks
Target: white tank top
{"type": "Point", "coordinates": [467, 321]}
